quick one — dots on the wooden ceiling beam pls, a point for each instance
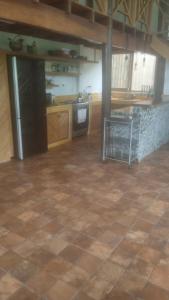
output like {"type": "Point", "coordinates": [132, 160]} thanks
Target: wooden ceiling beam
{"type": "Point", "coordinates": [50, 18]}
{"type": "Point", "coordinates": [47, 22]}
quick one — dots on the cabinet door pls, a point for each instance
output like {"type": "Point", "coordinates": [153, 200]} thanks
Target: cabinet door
{"type": "Point", "coordinates": [6, 142]}
{"type": "Point", "coordinates": [95, 118]}
{"type": "Point", "coordinates": [58, 127]}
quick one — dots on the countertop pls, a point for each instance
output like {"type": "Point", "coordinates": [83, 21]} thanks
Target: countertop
{"type": "Point", "coordinates": [118, 102]}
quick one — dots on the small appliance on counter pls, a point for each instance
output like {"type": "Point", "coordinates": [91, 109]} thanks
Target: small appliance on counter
{"type": "Point", "coordinates": [49, 99]}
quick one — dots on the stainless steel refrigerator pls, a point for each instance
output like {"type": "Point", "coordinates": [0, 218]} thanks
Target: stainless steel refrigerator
{"type": "Point", "coordinates": [28, 106]}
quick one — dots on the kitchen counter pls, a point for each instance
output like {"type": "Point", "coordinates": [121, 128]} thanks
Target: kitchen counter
{"type": "Point", "coordinates": [131, 102]}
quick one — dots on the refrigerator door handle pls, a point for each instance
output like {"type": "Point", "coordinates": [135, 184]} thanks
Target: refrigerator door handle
{"type": "Point", "coordinates": [17, 108]}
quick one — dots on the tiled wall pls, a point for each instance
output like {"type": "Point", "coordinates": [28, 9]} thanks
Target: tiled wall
{"type": "Point", "coordinates": [154, 129]}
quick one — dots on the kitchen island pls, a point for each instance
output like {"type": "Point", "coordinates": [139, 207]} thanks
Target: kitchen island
{"type": "Point", "coordinates": [153, 127]}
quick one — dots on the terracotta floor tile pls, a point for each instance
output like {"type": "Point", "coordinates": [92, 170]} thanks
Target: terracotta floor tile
{"type": "Point", "coordinates": [116, 294]}
{"type": "Point", "coordinates": [131, 283]}
{"type": "Point", "coordinates": [41, 282]}
{"type": "Point", "coordinates": [61, 291]}
{"type": "Point", "coordinates": [3, 250]}
{"type": "Point", "coordinates": [56, 245]}
{"type": "Point", "coordinates": [24, 270]}
{"type": "Point", "coordinates": [89, 263]}
{"type": "Point", "coordinates": [150, 255]}
{"type": "Point", "coordinates": [130, 247]}
{"type": "Point", "coordinates": [69, 235]}
{"type": "Point", "coordinates": [160, 276]}
{"type": "Point", "coordinates": [71, 253]}
{"type": "Point", "coordinates": [26, 248]}
{"type": "Point", "coordinates": [122, 257]}
{"type": "Point", "coordinates": [28, 215]}
{"type": "Point", "coordinates": [142, 225]}
{"type": "Point", "coordinates": [41, 257]}
{"type": "Point", "coordinates": [83, 241]}
{"type": "Point", "coordinates": [24, 294]}
{"type": "Point", "coordinates": [100, 250]}
{"type": "Point", "coordinates": [3, 231]}
{"type": "Point", "coordinates": [97, 287]}
{"type": "Point", "coordinates": [53, 227]}
{"type": "Point", "coordinates": [9, 260]}
{"type": "Point", "coordinates": [76, 277]}
{"type": "Point", "coordinates": [82, 296]}
{"type": "Point", "coordinates": [138, 236]}
{"type": "Point", "coordinates": [11, 240]}
{"type": "Point", "coordinates": [8, 286]}
{"type": "Point", "coordinates": [110, 272]}
{"type": "Point", "coordinates": [41, 238]}
{"type": "Point", "coordinates": [153, 292]}
{"type": "Point", "coordinates": [141, 267]}
{"type": "Point", "coordinates": [58, 267]}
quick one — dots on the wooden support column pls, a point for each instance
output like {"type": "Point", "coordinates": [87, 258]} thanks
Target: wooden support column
{"type": "Point", "coordinates": [159, 79]}
{"type": "Point", "coordinates": [107, 71]}
{"type": "Point", "coordinates": [107, 65]}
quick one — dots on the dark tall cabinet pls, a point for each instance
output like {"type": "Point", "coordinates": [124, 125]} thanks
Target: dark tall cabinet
{"type": "Point", "coordinates": [27, 78]}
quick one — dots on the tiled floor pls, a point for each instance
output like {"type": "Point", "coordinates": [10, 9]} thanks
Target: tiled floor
{"type": "Point", "coordinates": [73, 228]}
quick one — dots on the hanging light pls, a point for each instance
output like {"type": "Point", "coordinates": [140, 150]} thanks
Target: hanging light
{"type": "Point", "coordinates": [144, 61]}
{"type": "Point", "coordinates": [126, 57]}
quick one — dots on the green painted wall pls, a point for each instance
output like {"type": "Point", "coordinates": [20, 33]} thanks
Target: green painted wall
{"type": "Point", "coordinates": [42, 45]}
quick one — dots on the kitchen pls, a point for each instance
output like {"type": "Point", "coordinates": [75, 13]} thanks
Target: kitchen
{"type": "Point", "coordinates": [84, 83]}
{"type": "Point", "coordinates": [65, 74]}
{"type": "Point", "coordinates": [66, 93]}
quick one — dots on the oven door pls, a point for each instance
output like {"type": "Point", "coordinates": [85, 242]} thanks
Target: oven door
{"type": "Point", "coordinates": [80, 116]}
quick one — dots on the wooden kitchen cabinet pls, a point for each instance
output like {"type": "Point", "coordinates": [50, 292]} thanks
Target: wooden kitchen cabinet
{"type": "Point", "coordinates": [6, 140]}
{"type": "Point", "coordinates": [59, 125]}
{"type": "Point", "coordinates": [95, 117]}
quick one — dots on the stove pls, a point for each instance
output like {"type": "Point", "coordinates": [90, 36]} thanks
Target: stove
{"type": "Point", "coordinates": [80, 118]}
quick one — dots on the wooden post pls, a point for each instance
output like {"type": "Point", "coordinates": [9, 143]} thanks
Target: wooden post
{"type": "Point", "coordinates": [107, 65]}
{"type": "Point", "coordinates": [159, 79]}
{"type": "Point", "coordinates": [107, 71]}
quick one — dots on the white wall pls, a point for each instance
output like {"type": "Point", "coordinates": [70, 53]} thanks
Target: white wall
{"type": "Point", "coordinates": [91, 74]}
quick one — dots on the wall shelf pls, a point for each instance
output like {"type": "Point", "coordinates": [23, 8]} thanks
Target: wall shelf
{"type": "Point", "coordinates": [48, 57]}
{"type": "Point", "coordinates": [70, 74]}
{"type": "Point", "coordinates": [51, 86]}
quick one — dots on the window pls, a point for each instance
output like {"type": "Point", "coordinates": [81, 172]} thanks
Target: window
{"type": "Point", "coordinates": [134, 72]}
{"type": "Point", "coordinates": [120, 71]}
{"type": "Point", "coordinates": [143, 72]}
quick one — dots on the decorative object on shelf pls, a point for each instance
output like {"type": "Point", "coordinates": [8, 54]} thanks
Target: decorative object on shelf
{"type": "Point", "coordinates": [63, 69]}
{"type": "Point", "coordinates": [82, 57]}
{"type": "Point", "coordinates": [59, 52]}
{"type": "Point", "coordinates": [32, 49]}
{"type": "Point", "coordinates": [50, 84]}
{"type": "Point", "coordinates": [16, 44]}
{"type": "Point", "coordinates": [73, 53]}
